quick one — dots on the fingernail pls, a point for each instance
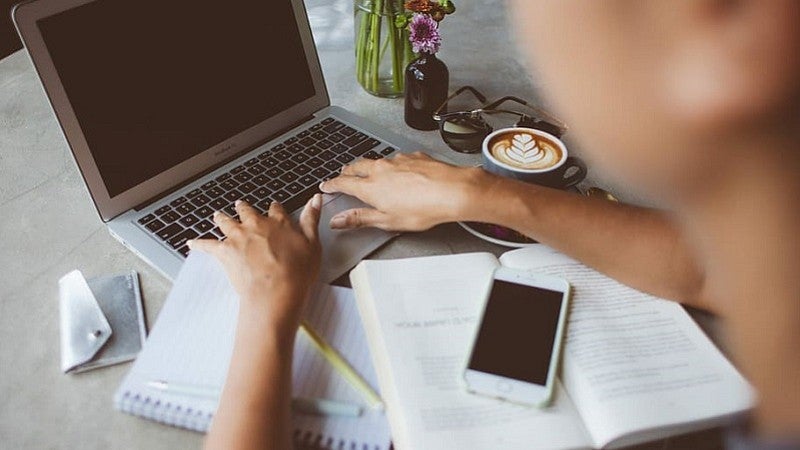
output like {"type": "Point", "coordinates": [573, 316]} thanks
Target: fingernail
{"type": "Point", "coordinates": [237, 203]}
{"type": "Point", "coordinates": [216, 213]}
{"type": "Point", "coordinates": [316, 201]}
{"type": "Point", "coordinates": [190, 243]}
{"type": "Point", "coordinates": [322, 186]}
{"type": "Point", "coordinates": [338, 222]}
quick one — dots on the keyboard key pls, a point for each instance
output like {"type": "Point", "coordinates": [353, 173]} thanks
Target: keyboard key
{"type": "Point", "coordinates": [270, 163]}
{"type": "Point", "coordinates": [313, 150]}
{"type": "Point", "coordinates": [260, 180]}
{"type": "Point", "coordinates": [374, 141]}
{"type": "Point", "coordinates": [147, 218]}
{"type": "Point", "coordinates": [287, 165]}
{"type": "Point", "coordinates": [247, 187]}
{"type": "Point", "coordinates": [290, 141]}
{"type": "Point", "coordinates": [263, 205]}
{"type": "Point", "coordinates": [264, 155]}
{"type": "Point", "coordinates": [300, 157]}
{"type": "Point", "coordinates": [215, 192]}
{"type": "Point", "coordinates": [306, 142]}
{"type": "Point", "coordinates": [339, 148]}
{"type": "Point", "coordinates": [218, 232]}
{"type": "Point", "coordinates": [163, 210]}
{"type": "Point", "coordinates": [178, 201]}
{"type": "Point", "coordinates": [275, 184]}
{"type": "Point", "coordinates": [320, 172]}
{"type": "Point", "coordinates": [372, 155]}
{"type": "Point", "coordinates": [336, 137]}
{"type": "Point", "coordinates": [194, 193]}
{"type": "Point", "coordinates": [354, 140]}
{"type": "Point", "coordinates": [155, 225]}
{"type": "Point", "coordinates": [316, 127]}
{"type": "Point", "coordinates": [300, 199]}
{"type": "Point", "coordinates": [204, 212]}
{"type": "Point", "coordinates": [261, 193]}
{"type": "Point", "coordinates": [362, 148]}
{"type": "Point", "coordinates": [333, 166]}
{"type": "Point", "coordinates": [302, 169]}
{"type": "Point", "coordinates": [274, 172]}
{"type": "Point", "coordinates": [237, 169]}
{"type": "Point", "coordinates": [208, 185]}
{"type": "Point", "coordinates": [208, 235]}
{"type": "Point", "coordinates": [327, 121]}
{"type": "Point", "coordinates": [281, 155]}
{"type": "Point", "coordinates": [242, 177]}
{"type": "Point", "coordinates": [179, 240]}
{"type": "Point", "coordinates": [327, 155]}
{"type": "Point", "coordinates": [189, 220]}
{"type": "Point", "coordinates": [294, 188]}
{"type": "Point", "coordinates": [289, 177]}
{"type": "Point", "coordinates": [218, 204]}
{"type": "Point", "coordinates": [387, 151]}
{"type": "Point", "coordinates": [170, 217]}
{"type": "Point", "coordinates": [232, 196]}
{"type": "Point", "coordinates": [325, 144]}
{"type": "Point", "coordinates": [296, 148]}
{"type": "Point", "coordinates": [185, 208]}
{"type": "Point", "coordinates": [347, 131]}
{"type": "Point", "coordinates": [344, 159]}
{"type": "Point", "coordinates": [168, 232]}
{"type": "Point", "coordinates": [230, 210]}
{"type": "Point", "coordinates": [200, 200]}
{"type": "Point", "coordinates": [314, 162]}
{"type": "Point", "coordinates": [319, 135]}
{"type": "Point", "coordinates": [251, 162]}
{"type": "Point", "coordinates": [258, 169]}
{"type": "Point", "coordinates": [184, 250]}
{"type": "Point", "coordinates": [223, 177]}
{"type": "Point", "coordinates": [303, 134]}
{"type": "Point", "coordinates": [278, 147]}
{"type": "Point", "coordinates": [280, 196]}
{"type": "Point", "coordinates": [204, 226]}
{"type": "Point", "coordinates": [308, 180]}
{"type": "Point", "coordinates": [228, 185]}
{"type": "Point", "coordinates": [334, 127]}
{"type": "Point", "coordinates": [250, 200]}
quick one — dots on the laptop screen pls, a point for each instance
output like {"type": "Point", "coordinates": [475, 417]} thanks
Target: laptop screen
{"type": "Point", "coordinates": [154, 83]}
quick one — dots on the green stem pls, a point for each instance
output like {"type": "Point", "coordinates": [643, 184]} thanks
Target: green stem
{"type": "Point", "coordinates": [396, 80]}
{"type": "Point", "coordinates": [376, 36]}
{"type": "Point", "coordinates": [361, 44]}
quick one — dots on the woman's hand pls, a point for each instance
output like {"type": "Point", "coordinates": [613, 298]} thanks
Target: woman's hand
{"type": "Point", "coordinates": [408, 192]}
{"type": "Point", "coordinates": [270, 261]}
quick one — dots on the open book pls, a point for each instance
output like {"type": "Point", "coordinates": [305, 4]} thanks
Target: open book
{"type": "Point", "coordinates": [635, 368]}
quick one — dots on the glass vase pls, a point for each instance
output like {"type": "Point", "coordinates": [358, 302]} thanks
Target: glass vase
{"type": "Point", "coordinates": [382, 46]}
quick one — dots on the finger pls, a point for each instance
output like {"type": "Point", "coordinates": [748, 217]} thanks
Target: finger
{"type": "Point", "coordinates": [359, 218]}
{"type": "Point", "coordinates": [309, 218]}
{"type": "Point", "coordinates": [344, 183]}
{"type": "Point", "coordinates": [277, 212]}
{"type": "Point", "coordinates": [359, 168]}
{"type": "Point", "coordinates": [246, 212]}
{"type": "Point", "coordinates": [210, 246]}
{"type": "Point", "coordinates": [225, 223]}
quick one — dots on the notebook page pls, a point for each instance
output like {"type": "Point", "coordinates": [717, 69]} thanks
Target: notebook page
{"type": "Point", "coordinates": [333, 314]}
{"type": "Point", "coordinates": [192, 343]}
{"type": "Point", "coordinates": [633, 362]}
{"type": "Point", "coordinates": [421, 315]}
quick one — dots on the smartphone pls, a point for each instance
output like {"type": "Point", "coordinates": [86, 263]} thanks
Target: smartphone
{"type": "Point", "coordinates": [517, 346]}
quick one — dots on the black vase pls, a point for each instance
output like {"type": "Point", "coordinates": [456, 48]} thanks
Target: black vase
{"type": "Point", "coordinates": [427, 80]}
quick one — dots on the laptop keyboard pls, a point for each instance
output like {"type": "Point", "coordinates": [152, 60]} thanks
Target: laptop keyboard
{"type": "Point", "coordinates": [289, 172]}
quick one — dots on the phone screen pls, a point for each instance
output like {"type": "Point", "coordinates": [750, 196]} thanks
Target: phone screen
{"type": "Point", "coordinates": [518, 332]}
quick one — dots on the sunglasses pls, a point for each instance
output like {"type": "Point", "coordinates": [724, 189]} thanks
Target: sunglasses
{"type": "Point", "coordinates": [464, 130]}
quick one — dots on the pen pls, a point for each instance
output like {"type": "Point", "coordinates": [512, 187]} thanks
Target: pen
{"type": "Point", "coordinates": [305, 405]}
{"type": "Point", "coordinates": [341, 365]}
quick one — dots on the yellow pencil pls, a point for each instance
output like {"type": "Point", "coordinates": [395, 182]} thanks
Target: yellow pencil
{"type": "Point", "coordinates": [341, 365]}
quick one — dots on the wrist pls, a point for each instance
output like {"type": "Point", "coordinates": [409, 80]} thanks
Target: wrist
{"type": "Point", "coordinates": [482, 189]}
{"type": "Point", "coordinates": [272, 313]}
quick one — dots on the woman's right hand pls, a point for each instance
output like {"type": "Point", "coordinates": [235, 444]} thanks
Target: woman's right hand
{"type": "Point", "coordinates": [407, 193]}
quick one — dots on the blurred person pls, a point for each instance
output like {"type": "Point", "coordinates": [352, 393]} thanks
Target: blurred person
{"type": "Point", "coordinates": [695, 103]}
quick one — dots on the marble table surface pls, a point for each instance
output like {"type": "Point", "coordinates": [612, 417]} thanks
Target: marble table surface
{"type": "Point", "coordinates": [48, 227]}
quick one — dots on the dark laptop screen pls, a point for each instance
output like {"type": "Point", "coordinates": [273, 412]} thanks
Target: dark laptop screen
{"type": "Point", "coordinates": [156, 82]}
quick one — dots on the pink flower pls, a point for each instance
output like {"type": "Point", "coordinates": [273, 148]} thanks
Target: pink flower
{"type": "Point", "coordinates": [424, 34]}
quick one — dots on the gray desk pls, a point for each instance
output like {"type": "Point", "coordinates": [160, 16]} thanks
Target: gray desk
{"type": "Point", "coordinates": [48, 227]}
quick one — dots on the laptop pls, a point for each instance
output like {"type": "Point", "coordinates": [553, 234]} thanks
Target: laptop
{"type": "Point", "coordinates": [173, 110]}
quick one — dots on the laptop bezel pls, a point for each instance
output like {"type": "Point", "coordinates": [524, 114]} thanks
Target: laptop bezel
{"type": "Point", "coordinates": [27, 14]}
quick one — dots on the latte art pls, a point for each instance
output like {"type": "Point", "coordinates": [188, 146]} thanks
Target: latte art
{"type": "Point", "coordinates": [525, 151]}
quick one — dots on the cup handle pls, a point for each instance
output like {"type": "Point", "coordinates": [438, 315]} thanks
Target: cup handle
{"type": "Point", "coordinates": [578, 176]}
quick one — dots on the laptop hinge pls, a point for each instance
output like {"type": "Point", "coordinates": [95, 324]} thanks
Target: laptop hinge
{"type": "Point", "coordinates": [191, 180]}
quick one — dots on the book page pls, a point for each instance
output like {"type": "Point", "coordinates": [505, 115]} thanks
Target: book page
{"type": "Point", "coordinates": [421, 315]}
{"type": "Point", "coordinates": [632, 362]}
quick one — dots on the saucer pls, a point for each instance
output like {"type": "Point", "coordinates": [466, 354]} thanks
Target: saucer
{"type": "Point", "coordinates": [497, 234]}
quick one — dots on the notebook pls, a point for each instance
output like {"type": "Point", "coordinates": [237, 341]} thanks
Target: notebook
{"type": "Point", "coordinates": [635, 368]}
{"type": "Point", "coordinates": [192, 342]}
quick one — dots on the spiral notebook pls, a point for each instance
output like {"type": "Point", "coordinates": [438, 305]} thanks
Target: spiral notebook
{"type": "Point", "coordinates": [192, 341]}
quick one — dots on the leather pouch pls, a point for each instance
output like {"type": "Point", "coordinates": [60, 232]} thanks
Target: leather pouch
{"type": "Point", "coordinates": [102, 321]}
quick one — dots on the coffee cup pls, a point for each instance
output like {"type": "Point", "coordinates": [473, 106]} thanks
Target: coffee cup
{"type": "Point", "coordinates": [532, 156]}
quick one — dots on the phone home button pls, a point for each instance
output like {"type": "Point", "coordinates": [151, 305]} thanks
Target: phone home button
{"type": "Point", "coordinates": [504, 387]}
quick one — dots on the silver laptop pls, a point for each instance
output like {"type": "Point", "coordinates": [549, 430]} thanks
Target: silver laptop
{"type": "Point", "coordinates": [176, 109]}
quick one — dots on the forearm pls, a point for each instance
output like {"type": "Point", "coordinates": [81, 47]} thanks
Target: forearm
{"type": "Point", "coordinates": [640, 247]}
{"type": "Point", "coordinates": [254, 410]}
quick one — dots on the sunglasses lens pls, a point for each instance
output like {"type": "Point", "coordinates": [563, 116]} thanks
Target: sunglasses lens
{"type": "Point", "coordinates": [464, 133]}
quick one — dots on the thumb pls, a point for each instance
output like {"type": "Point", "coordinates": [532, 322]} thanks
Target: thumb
{"type": "Point", "coordinates": [309, 218]}
{"type": "Point", "coordinates": [210, 246]}
{"type": "Point", "coordinates": [359, 218]}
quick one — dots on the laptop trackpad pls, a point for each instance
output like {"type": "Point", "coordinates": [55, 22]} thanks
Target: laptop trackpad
{"type": "Point", "coordinates": [342, 250]}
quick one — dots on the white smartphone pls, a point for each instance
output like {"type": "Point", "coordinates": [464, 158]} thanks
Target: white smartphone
{"type": "Point", "coordinates": [517, 346]}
